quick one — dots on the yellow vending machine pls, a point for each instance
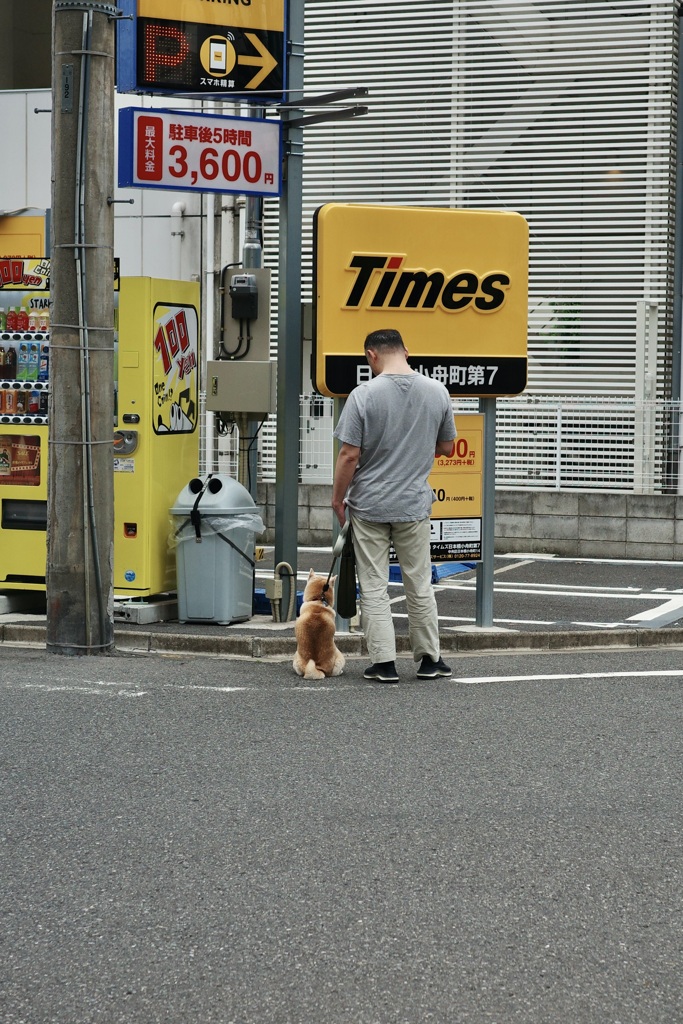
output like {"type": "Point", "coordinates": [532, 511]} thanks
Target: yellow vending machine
{"type": "Point", "coordinates": [155, 434]}
{"type": "Point", "coordinates": [156, 440]}
{"type": "Point", "coordinates": [24, 371]}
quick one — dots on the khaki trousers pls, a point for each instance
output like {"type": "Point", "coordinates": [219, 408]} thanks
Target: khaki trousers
{"type": "Point", "coordinates": [371, 542]}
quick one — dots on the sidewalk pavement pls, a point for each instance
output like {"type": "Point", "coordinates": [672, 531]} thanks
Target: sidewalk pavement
{"type": "Point", "coordinates": [540, 603]}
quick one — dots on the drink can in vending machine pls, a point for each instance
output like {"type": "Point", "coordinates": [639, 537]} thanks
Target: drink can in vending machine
{"type": "Point", "coordinates": [34, 402]}
{"type": "Point", "coordinates": [21, 402]}
{"type": "Point", "coordinates": [10, 402]}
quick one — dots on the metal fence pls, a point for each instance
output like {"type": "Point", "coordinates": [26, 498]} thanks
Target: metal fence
{"type": "Point", "coordinates": [558, 444]}
{"type": "Point", "coordinates": [587, 444]}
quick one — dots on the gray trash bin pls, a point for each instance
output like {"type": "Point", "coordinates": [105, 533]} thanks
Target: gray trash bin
{"type": "Point", "coordinates": [215, 523]}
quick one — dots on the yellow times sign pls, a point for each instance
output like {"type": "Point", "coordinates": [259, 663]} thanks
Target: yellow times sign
{"type": "Point", "coordinates": [453, 282]}
{"type": "Point", "coordinates": [268, 15]}
{"type": "Point", "coordinates": [457, 486]}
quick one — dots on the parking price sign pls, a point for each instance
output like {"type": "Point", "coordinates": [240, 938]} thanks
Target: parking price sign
{"type": "Point", "coordinates": [457, 487]}
{"type": "Point", "coordinates": [199, 152]}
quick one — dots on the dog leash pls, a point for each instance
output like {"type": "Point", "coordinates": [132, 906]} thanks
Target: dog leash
{"type": "Point", "coordinates": [336, 552]}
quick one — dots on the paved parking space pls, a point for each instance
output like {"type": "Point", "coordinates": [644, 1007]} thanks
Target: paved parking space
{"type": "Point", "coordinates": [553, 593]}
{"type": "Point", "coordinates": [543, 593]}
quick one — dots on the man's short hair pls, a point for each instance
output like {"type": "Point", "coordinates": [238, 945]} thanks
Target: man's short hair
{"type": "Point", "coordinates": [384, 341]}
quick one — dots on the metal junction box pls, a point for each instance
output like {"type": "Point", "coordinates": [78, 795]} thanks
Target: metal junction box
{"type": "Point", "coordinates": [240, 385]}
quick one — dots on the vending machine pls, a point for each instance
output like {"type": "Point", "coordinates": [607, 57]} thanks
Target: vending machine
{"type": "Point", "coordinates": [155, 434]}
{"type": "Point", "coordinates": [24, 384]}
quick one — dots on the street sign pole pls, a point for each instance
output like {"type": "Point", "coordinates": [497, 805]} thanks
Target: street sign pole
{"type": "Point", "coordinates": [484, 591]}
{"type": "Point", "coordinates": [289, 332]}
{"type": "Point", "coordinates": [252, 258]}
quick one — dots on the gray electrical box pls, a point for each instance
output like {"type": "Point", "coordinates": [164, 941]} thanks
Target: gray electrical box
{"type": "Point", "coordinates": [240, 385]}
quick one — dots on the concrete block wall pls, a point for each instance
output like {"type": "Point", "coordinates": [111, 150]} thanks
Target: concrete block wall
{"type": "Point", "coordinates": [571, 524]}
{"type": "Point", "coordinates": [590, 525]}
{"type": "Point", "coordinates": [314, 514]}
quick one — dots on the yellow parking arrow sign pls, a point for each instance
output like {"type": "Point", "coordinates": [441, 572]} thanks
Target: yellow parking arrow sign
{"type": "Point", "coordinates": [264, 60]}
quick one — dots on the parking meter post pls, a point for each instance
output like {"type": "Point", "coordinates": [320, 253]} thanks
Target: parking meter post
{"type": "Point", "coordinates": [484, 584]}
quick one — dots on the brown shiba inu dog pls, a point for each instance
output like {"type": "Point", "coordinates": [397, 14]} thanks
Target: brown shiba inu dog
{"type": "Point", "coordinates": [316, 653]}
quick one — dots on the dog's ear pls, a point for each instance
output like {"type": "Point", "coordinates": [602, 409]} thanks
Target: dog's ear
{"type": "Point", "coordinates": [333, 580]}
{"type": "Point", "coordinates": [311, 574]}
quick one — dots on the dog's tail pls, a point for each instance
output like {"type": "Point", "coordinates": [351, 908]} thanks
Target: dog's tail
{"type": "Point", "coordinates": [312, 671]}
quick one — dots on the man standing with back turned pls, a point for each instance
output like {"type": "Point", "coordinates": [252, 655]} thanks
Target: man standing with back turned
{"type": "Point", "coordinates": [391, 429]}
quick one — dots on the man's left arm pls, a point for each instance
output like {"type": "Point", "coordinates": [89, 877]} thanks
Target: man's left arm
{"type": "Point", "coordinates": [445, 444]}
{"type": "Point", "coordinates": [446, 448]}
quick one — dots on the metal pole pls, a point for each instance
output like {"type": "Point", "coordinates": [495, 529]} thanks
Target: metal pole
{"type": "Point", "coordinates": [252, 256]}
{"type": "Point", "coordinates": [342, 624]}
{"type": "Point", "coordinates": [289, 334]}
{"type": "Point", "coordinates": [484, 592]}
{"type": "Point", "coordinates": [677, 324]}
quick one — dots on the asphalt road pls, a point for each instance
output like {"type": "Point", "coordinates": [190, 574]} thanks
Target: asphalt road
{"type": "Point", "coordinates": [206, 840]}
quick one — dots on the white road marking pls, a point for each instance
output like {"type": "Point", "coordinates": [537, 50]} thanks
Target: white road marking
{"type": "Point", "coordinates": [89, 687]}
{"type": "Point", "coordinates": [52, 688]}
{"type": "Point", "coordinates": [572, 587]}
{"type": "Point", "coordinates": [108, 682]}
{"type": "Point", "coordinates": [566, 588]}
{"type": "Point", "coordinates": [474, 680]}
{"type": "Point", "coordinates": [216, 689]}
{"type": "Point", "coordinates": [552, 590]}
{"type": "Point", "coordinates": [598, 625]}
{"type": "Point", "coordinates": [513, 565]}
{"type": "Point", "coordinates": [669, 608]}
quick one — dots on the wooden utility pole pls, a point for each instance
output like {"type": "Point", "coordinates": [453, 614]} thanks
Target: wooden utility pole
{"type": "Point", "coordinates": [80, 528]}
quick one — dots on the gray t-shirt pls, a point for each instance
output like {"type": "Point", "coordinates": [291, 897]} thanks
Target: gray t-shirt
{"type": "Point", "coordinates": [395, 420]}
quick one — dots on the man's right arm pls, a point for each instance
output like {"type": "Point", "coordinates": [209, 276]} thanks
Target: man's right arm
{"type": "Point", "coordinates": [347, 460]}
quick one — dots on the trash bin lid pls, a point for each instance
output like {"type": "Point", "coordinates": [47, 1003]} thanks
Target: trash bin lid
{"type": "Point", "coordinates": [223, 496]}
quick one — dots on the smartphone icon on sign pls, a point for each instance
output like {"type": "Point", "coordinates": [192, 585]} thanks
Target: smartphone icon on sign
{"type": "Point", "coordinates": [218, 56]}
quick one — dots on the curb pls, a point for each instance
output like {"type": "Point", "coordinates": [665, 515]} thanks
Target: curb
{"type": "Point", "coordinates": [139, 641]}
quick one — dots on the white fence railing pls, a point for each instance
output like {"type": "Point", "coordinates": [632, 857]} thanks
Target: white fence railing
{"type": "Point", "coordinates": [541, 443]}
{"type": "Point", "coordinates": [584, 444]}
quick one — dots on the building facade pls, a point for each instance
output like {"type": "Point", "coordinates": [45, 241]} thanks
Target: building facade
{"type": "Point", "coordinates": [562, 110]}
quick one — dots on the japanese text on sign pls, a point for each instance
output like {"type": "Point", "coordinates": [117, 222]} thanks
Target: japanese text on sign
{"type": "Point", "coordinates": [455, 375]}
{"type": "Point", "coordinates": [205, 153]}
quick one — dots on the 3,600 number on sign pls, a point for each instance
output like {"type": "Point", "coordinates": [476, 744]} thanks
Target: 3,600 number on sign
{"type": "Point", "coordinates": [204, 153]}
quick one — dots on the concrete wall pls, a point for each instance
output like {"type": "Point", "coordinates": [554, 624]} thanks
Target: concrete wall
{"type": "Point", "coordinates": [575, 525]}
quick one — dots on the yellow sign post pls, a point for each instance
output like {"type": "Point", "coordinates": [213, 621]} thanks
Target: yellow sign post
{"type": "Point", "coordinates": [453, 282]}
